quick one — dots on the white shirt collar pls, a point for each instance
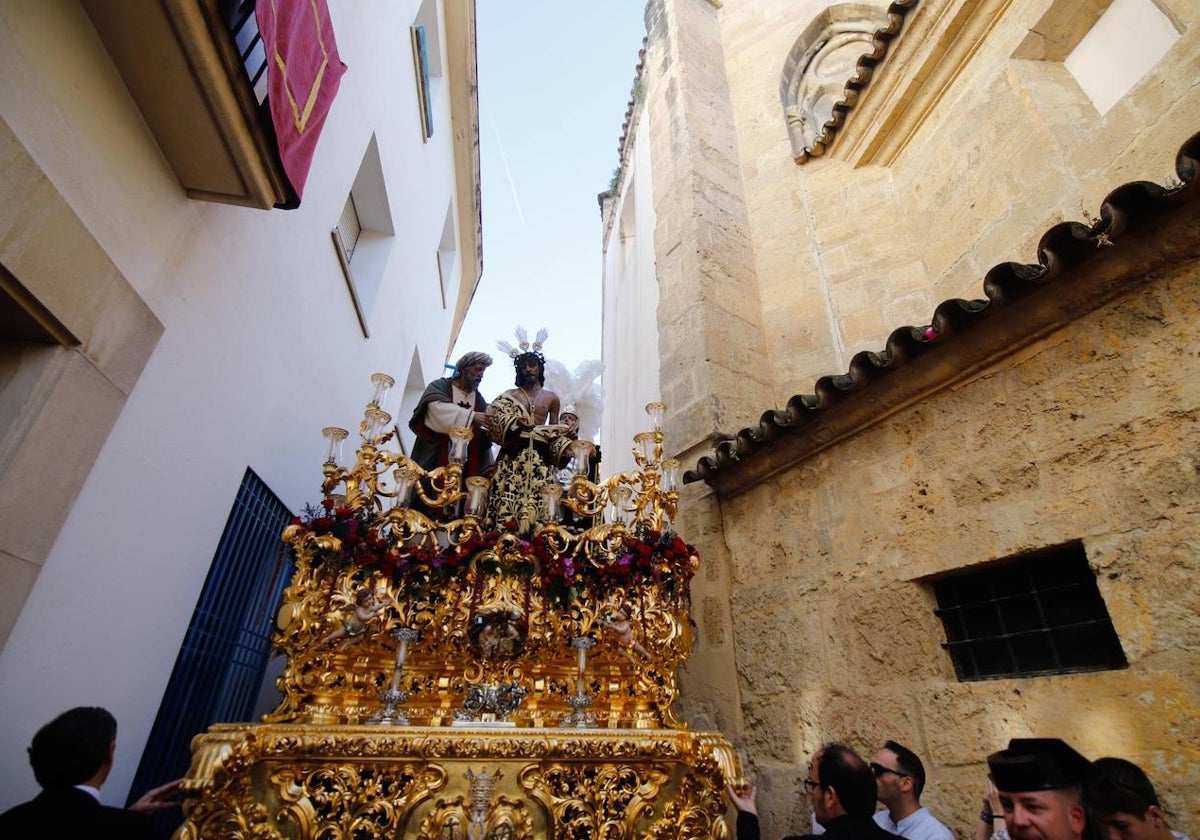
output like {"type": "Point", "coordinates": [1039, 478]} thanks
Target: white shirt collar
{"type": "Point", "coordinates": [95, 792]}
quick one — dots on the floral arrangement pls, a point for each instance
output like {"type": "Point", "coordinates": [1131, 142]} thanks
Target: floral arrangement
{"type": "Point", "coordinates": [350, 539]}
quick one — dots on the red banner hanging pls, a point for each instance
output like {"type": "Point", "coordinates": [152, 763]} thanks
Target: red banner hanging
{"type": "Point", "coordinates": [303, 73]}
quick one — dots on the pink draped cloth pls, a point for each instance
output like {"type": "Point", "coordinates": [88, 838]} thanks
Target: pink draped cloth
{"type": "Point", "coordinates": [303, 74]}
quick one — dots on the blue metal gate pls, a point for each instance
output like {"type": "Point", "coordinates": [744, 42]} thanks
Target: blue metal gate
{"type": "Point", "coordinates": [220, 666]}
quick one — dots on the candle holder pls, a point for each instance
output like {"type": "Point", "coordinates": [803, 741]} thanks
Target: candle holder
{"type": "Point", "coordinates": [374, 422]}
{"type": "Point", "coordinates": [459, 439]}
{"type": "Point", "coordinates": [619, 497]}
{"type": "Point", "coordinates": [390, 714]}
{"type": "Point", "coordinates": [551, 496]}
{"type": "Point", "coordinates": [406, 478]}
{"type": "Point", "coordinates": [335, 436]}
{"type": "Point", "coordinates": [670, 474]}
{"type": "Point", "coordinates": [394, 695]}
{"type": "Point", "coordinates": [656, 410]}
{"type": "Point", "coordinates": [381, 383]}
{"type": "Point", "coordinates": [579, 716]}
{"type": "Point", "coordinates": [579, 702]}
{"type": "Point", "coordinates": [581, 452]}
{"type": "Point", "coordinates": [649, 447]}
{"type": "Point", "coordinates": [477, 487]}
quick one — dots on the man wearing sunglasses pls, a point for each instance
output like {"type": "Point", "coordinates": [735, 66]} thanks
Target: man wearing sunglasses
{"type": "Point", "coordinates": [900, 778]}
{"type": "Point", "coordinates": [841, 790]}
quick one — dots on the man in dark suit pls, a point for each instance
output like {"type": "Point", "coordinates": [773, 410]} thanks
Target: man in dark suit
{"type": "Point", "coordinates": [71, 757]}
{"type": "Point", "coordinates": [841, 788]}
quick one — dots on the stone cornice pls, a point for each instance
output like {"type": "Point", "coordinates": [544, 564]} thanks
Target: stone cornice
{"type": "Point", "coordinates": [940, 40]}
{"type": "Point", "coordinates": [1144, 231]}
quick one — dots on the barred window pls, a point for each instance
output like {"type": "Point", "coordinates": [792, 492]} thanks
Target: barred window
{"type": "Point", "coordinates": [364, 234]}
{"type": "Point", "coordinates": [1040, 613]}
{"type": "Point", "coordinates": [349, 228]}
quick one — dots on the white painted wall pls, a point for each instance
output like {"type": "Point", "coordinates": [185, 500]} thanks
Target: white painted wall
{"type": "Point", "coordinates": [1126, 43]}
{"type": "Point", "coordinates": [261, 349]}
{"type": "Point", "coordinates": [630, 329]}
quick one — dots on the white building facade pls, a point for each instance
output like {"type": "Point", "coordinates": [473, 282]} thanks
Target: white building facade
{"type": "Point", "coordinates": [630, 299]}
{"type": "Point", "coordinates": [157, 348]}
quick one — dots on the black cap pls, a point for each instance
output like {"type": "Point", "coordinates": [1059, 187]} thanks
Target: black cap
{"type": "Point", "coordinates": [1037, 764]}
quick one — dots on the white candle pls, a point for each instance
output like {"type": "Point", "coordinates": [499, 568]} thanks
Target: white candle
{"type": "Point", "coordinates": [401, 652]}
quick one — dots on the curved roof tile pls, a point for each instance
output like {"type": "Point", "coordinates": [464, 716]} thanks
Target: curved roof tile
{"type": "Point", "coordinates": [857, 83]}
{"type": "Point", "coordinates": [805, 425]}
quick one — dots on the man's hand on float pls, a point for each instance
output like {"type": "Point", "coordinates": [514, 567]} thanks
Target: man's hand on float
{"type": "Point", "coordinates": [744, 797]}
{"type": "Point", "coordinates": [159, 798]}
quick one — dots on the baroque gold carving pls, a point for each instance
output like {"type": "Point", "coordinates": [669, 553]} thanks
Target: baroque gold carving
{"type": "Point", "coordinates": [302, 782]}
{"type": "Point", "coordinates": [395, 624]}
{"type": "Point", "coordinates": [589, 800]}
{"type": "Point", "coordinates": [340, 682]}
{"type": "Point", "coordinates": [351, 801]}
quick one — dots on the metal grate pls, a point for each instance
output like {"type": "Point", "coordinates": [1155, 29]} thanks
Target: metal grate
{"type": "Point", "coordinates": [243, 28]}
{"type": "Point", "coordinates": [1038, 614]}
{"type": "Point", "coordinates": [349, 229]}
{"type": "Point", "coordinates": [219, 670]}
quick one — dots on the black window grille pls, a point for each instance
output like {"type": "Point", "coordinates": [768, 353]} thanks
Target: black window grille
{"type": "Point", "coordinates": [219, 670]}
{"type": "Point", "coordinates": [1037, 614]}
{"type": "Point", "coordinates": [243, 28]}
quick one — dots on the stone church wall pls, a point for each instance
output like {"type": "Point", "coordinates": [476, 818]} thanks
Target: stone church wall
{"type": "Point", "coordinates": [1091, 435]}
{"type": "Point", "coordinates": [780, 272]}
{"type": "Point", "coordinates": [815, 616]}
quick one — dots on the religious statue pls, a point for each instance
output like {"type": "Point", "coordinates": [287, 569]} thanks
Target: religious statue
{"type": "Point", "coordinates": [533, 445]}
{"type": "Point", "coordinates": [451, 403]}
{"type": "Point", "coordinates": [498, 634]}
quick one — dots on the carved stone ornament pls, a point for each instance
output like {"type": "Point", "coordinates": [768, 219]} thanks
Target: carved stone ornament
{"type": "Point", "coordinates": [823, 72]}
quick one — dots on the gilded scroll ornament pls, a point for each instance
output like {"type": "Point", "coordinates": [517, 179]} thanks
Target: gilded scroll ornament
{"type": "Point", "coordinates": [451, 677]}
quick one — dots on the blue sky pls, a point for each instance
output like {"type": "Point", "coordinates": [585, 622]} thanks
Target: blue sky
{"type": "Point", "coordinates": [554, 82]}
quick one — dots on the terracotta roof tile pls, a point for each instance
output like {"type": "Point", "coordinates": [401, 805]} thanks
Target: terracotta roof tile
{"type": "Point", "coordinates": [1023, 302]}
{"type": "Point", "coordinates": [859, 81]}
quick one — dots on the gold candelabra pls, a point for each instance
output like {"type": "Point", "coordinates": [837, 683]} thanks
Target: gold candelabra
{"type": "Point", "coordinates": [409, 613]}
{"type": "Point", "coordinates": [383, 483]}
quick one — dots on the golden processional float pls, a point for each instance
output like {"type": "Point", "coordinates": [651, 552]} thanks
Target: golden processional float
{"type": "Point", "coordinates": [452, 677]}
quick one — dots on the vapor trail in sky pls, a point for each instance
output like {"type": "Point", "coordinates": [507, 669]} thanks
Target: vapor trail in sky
{"type": "Point", "coordinates": [508, 172]}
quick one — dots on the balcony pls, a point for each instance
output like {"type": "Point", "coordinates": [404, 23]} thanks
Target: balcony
{"type": "Point", "coordinates": [197, 70]}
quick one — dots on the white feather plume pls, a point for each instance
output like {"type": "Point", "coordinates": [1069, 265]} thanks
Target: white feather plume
{"type": "Point", "coordinates": [581, 390]}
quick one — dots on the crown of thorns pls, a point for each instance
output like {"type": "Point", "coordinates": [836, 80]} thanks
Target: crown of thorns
{"type": "Point", "coordinates": [523, 347]}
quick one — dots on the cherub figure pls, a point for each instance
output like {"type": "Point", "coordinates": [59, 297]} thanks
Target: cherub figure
{"type": "Point", "coordinates": [620, 625]}
{"type": "Point", "coordinates": [367, 607]}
